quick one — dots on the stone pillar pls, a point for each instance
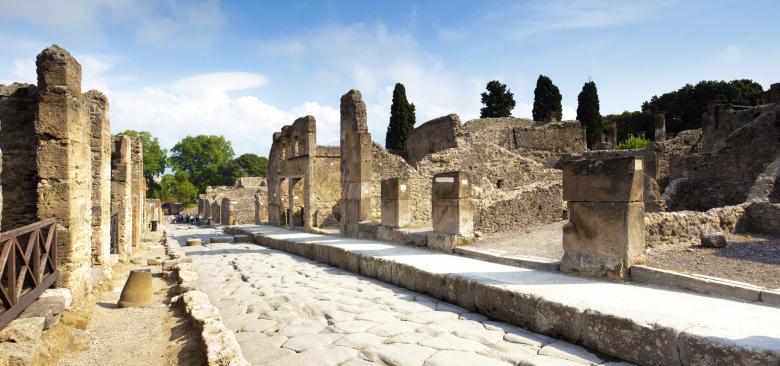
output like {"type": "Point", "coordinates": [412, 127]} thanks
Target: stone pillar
{"type": "Point", "coordinates": [224, 208]}
{"type": "Point", "coordinates": [18, 142]}
{"type": "Point", "coordinates": [216, 215]}
{"type": "Point", "coordinates": [261, 211]}
{"type": "Point", "coordinates": [605, 234]}
{"type": "Point", "coordinates": [451, 204]}
{"type": "Point", "coordinates": [356, 148]}
{"type": "Point", "coordinates": [660, 126]}
{"type": "Point", "coordinates": [64, 164]}
{"type": "Point", "coordinates": [613, 134]}
{"type": "Point", "coordinates": [138, 188]}
{"type": "Point", "coordinates": [122, 193]}
{"type": "Point", "coordinates": [1, 190]}
{"type": "Point", "coordinates": [774, 93]}
{"type": "Point", "coordinates": [395, 202]}
{"type": "Point", "coordinates": [97, 106]}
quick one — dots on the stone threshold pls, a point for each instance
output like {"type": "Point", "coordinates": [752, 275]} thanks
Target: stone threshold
{"type": "Point", "coordinates": [642, 324]}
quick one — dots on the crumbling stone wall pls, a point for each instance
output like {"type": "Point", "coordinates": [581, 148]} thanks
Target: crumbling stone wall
{"type": "Point", "coordinates": [97, 107]}
{"type": "Point", "coordinates": [240, 207]}
{"type": "Point", "coordinates": [18, 143]}
{"type": "Point", "coordinates": [63, 130]}
{"type": "Point", "coordinates": [121, 192]}
{"type": "Point", "coordinates": [433, 136]}
{"type": "Point", "coordinates": [326, 193]}
{"type": "Point", "coordinates": [356, 155]}
{"type": "Point", "coordinates": [545, 142]}
{"type": "Point", "coordinates": [737, 146]}
{"type": "Point", "coordinates": [686, 226]}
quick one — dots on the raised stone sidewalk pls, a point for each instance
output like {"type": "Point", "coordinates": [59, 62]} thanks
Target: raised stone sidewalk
{"type": "Point", "coordinates": [641, 324]}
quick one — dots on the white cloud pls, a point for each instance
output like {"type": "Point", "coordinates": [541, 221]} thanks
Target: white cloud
{"type": "Point", "coordinates": [183, 108]}
{"type": "Point", "coordinates": [171, 23]}
{"type": "Point", "coordinates": [732, 54]}
{"type": "Point", "coordinates": [283, 47]}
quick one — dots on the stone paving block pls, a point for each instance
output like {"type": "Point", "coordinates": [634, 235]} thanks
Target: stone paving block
{"type": "Point", "coordinates": [305, 341]}
{"type": "Point", "coordinates": [458, 358]}
{"type": "Point", "coordinates": [567, 351]}
{"type": "Point", "coordinates": [399, 353]}
{"type": "Point", "coordinates": [454, 343]}
{"type": "Point", "coordinates": [359, 340]}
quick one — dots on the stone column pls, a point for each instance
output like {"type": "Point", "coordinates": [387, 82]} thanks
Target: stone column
{"type": "Point", "coordinates": [355, 163]}
{"type": "Point", "coordinates": [64, 164]}
{"type": "Point", "coordinates": [138, 188]}
{"type": "Point", "coordinates": [451, 204]}
{"type": "Point", "coordinates": [97, 106]}
{"type": "Point", "coordinates": [660, 126]}
{"type": "Point", "coordinates": [216, 215]}
{"type": "Point", "coordinates": [261, 211]}
{"type": "Point", "coordinates": [605, 234]}
{"type": "Point", "coordinates": [224, 208]}
{"type": "Point", "coordinates": [395, 202]}
{"type": "Point", "coordinates": [1, 191]}
{"type": "Point", "coordinates": [122, 193]}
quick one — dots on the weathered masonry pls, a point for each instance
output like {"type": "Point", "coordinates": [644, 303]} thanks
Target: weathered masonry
{"type": "Point", "coordinates": [235, 205]}
{"type": "Point", "coordinates": [62, 164]}
{"type": "Point", "coordinates": [303, 177]}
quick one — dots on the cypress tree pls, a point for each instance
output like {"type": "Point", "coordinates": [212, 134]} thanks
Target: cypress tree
{"type": "Point", "coordinates": [402, 119]}
{"type": "Point", "coordinates": [588, 111]}
{"type": "Point", "coordinates": [547, 99]}
{"type": "Point", "coordinates": [498, 101]}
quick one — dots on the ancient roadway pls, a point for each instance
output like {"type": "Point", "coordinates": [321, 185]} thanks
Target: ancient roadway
{"type": "Point", "coordinates": [288, 310]}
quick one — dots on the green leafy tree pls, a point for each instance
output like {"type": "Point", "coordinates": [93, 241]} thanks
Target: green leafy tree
{"type": "Point", "coordinates": [588, 112]}
{"type": "Point", "coordinates": [402, 119]}
{"type": "Point", "coordinates": [200, 157]}
{"type": "Point", "coordinates": [246, 165]}
{"type": "Point", "coordinates": [154, 159]}
{"type": "Point", "coordinates": [547, 100]}
{"type": "Point", "coordinates": [178, 188]}
{"type": "Point", "coordinates": [633, 142]}
{"type": "Point", "coordinates": [498, 101]}
{"type": "Point", "coordinates": [685, 106]}
{"type": "Point", "coordinates": [631, 123]}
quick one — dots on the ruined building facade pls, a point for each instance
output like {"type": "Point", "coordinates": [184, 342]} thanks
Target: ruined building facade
{"type": "Point", "coordinates": [234, 205]}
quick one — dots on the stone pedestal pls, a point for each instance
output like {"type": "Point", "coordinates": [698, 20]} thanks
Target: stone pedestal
{"type": "Point", "coordinates": [451, 204]}
{"type": "Point", "coordinates": [395, 203]}
{"type": "Point", "coordinates": [605, 232]}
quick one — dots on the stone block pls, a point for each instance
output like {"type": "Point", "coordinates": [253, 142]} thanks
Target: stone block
{"type": "Point", "coordinates": [603, 239]}
{"type": "Point", "coordinates": [395, 189]}
{"type": "Point", "coordinates": [453, 216]}
{"type": "Point", "coordinates": [451, 185]}
{"type": "Point", "coordinates": [23, 330]}
{"type": "Point", "coordinates": [50, 308]}
{"type": "Point", "coordinates": [613, 179]}
{"type": "Point", "coordinates": [396, 213]}
{"type": "Point", "coordinates": [459, 290]}
{"type": "Point", "coordinates": [429, 283]}
{"type": "Point", "coordinates": [713, 240]}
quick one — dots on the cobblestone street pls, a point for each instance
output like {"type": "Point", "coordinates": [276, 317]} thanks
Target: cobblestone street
{"type": "Point", "coordinates": [288, 310]}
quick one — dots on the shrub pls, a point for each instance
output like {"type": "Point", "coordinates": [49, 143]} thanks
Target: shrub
{"type": "Point", "coordinates": [633, 142]}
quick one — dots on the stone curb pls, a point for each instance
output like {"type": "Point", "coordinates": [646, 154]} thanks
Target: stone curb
{"type": "Point", "coordinates": [610, 332]}
{"type": "Point", "coordinates": [542, 264]}
{"type": "Point", "coordinates": [705, 284]}
{"type": "Point", "coordinates": [219, 343]}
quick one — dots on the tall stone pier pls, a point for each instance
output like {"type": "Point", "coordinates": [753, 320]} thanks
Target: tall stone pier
{"type": "Point", "coordinates": [395, 202]}
{"type": "Point", "coordinates": [97, 107]}
{"type": "Point", "coordinates": [63, 158]}
{"type": "Point", "coordinates": [122, 193]}
{"type": "Point", "coordinates": [138, 189]}
{"type": "Point", "coordinates": [660, 126]}
{"type": "Point", "coordinates": [355, 163]}
{"type": "Point", "coordinates": [605, 233]}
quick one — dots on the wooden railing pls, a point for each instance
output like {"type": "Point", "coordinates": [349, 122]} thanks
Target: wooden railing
{"type": "Point", "coordinates": [28, 265]}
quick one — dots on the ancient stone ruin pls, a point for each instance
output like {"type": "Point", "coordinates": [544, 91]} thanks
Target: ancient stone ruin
{"type": "Point", "coordinates": [234, 205]}
{"type": "Point", "coordinates": [61, 162]}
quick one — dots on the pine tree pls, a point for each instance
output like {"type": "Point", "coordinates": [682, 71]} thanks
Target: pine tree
{"type": "Point", "coordinates": [498, 101]}
{"type": "Point", "coordinates": [547, 100]}
{"type": "Point", "coordinates": [588, 111]}
{"type": "Point", "coordinates": [402, 119]}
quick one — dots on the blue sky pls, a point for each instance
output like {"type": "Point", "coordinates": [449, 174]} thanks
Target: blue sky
{"type": "Point", "coordinates": [244, 69]}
